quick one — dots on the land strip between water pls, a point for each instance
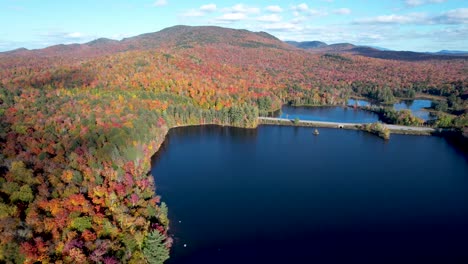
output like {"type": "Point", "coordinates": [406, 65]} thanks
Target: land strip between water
{"type": "Point", "coordinates": [343, 125]}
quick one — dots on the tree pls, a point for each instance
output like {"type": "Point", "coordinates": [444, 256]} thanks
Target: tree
{"type": "Point", "coordinates": [154, 248]}
{"type": "Point", "coordinates": [24, 195]}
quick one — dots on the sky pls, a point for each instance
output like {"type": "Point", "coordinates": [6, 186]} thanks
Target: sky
{"type": "Point", "coordinates": [417, 25]}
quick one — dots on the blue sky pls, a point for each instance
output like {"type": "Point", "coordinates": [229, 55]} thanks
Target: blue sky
{"type": "Point", "coordinates": [419, 25]}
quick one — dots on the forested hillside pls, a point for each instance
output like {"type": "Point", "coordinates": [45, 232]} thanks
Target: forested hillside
{"type": "Point", "coordinates": [79, 124]}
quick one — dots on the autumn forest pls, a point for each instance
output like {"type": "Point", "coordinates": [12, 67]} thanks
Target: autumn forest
{"type": "Point", "coordinates": [80, 123]}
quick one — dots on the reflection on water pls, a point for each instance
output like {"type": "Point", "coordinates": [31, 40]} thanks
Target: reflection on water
{"type": "Point", "coordinates": [329, 114]}
{"type": "Point", "coordinates": [360, 103]}
{"type": "Point", "coordinates": [282, 195]}
{"type": "Point", "coordinates": [416, 107]}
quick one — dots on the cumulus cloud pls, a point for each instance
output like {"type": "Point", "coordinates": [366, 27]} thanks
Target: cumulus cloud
{"type": "Point", "coordinates": [232, 17]}
{"type": "Point", "coordinates": [236, 13]}
{"type": "Point", "coordinates": [201, 11]}
{"type": "Point", "coordinates": [241, 8]}
{"type": "Point", "coordinates": [274, 9]}
{"type": "Point", "coordinates": [413, 3]}
{"type": "Point", "coordinates": [160, 3]}
{"type": "Point", "coordinates": [342, 11]}
{"type": "Point", "coordinates": [456, 16]}
{"type": "Point", "coordinates": [453, 17]}
{"type": "Point", "coordinates": [392, 19]}
{"type": "Point", "coordinates": [269, 18]}
{"type": "Point", "coordinates": [301, 7]}
{"type": "Point", "coordinates": [317, 13]}
{"type": "Point", "coordinates": [61, 37]}
{"type": "Point", "coordinates": [304, 10]}
{"type": "Point", "coordinates": [74, 35]}
{"type": "Point", "coordinates": [208, 8]}
{"type": "Point", "coordinates": [281, 27]}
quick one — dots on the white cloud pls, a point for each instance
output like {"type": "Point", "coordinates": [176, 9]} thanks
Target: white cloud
{"type": "Point", "coordinates": [160, 3]}
{"type": "Point", "coordinates": [59, 37]}
{"type": "Point", "coordinates": [304, 9]}
{"type": "Point", "coordinates": [317, 13]}
{"type": "Point", "coordinates": [270, 18]}
{"type": "Point", "coordinates": [413, 3]}
{"type": "Point", "coordinates": [283, 26]}
{"type": "Point", "coordinates": [74, 35]}
{"type": "Point", "coordinates": [455, 16]}
{"type": "Point", "coordinates": [237, 12]}
{"type": "Point", "coordinates": [201, 11]}
{"type": "Point", "coordinates": [298, 20]}
{"type": "Point", "coordinates": [232, 17]}
{"type": "Point", "coordinates": [342, 11]}
{"type": "Point", "coordinates": [274, 9]}
{"type": "Point", "coordinates": [241, 8]}
{"type": "Point", "coordinates": [208, 8]}
{"type": "Point", "coordinates": [415, 18]}
{"type": "Point", "coordinates": [301, 7]}
{"type": "Point", "coordinates": [452, 17]}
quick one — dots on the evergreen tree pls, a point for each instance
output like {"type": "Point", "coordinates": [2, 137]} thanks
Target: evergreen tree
{"type": "Point", "coordinates": [154, 248]}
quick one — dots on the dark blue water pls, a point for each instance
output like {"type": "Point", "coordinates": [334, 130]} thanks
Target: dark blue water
{"type": "Point", "coordinates": [416, 107]}
{"type": "Point", "coordinates": [281, 195]}
{"type": "Point", "coordinates": [330, 114]}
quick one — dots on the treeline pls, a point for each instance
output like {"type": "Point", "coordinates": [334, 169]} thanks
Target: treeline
{"type": "Point", "coordinates": [397, 117]}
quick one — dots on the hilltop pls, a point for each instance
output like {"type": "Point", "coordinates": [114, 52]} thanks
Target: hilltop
{"type": "Point", "coordinates": [176, 37]}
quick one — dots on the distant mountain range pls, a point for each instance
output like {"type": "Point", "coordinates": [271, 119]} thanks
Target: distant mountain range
{"type": "Point", "coordinates": [187, 37]}
{"type": "Point", "coordinates": [378, 52]}
{"type": "Point", "coordinates": [169, 38]}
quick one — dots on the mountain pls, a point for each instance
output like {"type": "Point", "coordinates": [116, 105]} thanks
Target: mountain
{"type": "Point", "coordinates": [380, 53]}
{"type": "Point", "coordinates": [452, 52]}
{"type": "Point", "coordinates": [184, 37]}
{"type": "Point", "coordinates": [376, 47]}
{"type": "Point", "coordinates": [180, 37]}
{"type": "Point", "coordinates": [307, 44]}
{"type": "Point", "coordinates": [402, 55]}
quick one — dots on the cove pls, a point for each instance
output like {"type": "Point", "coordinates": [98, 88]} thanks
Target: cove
{"type": "Point", "coordinates": [328, 113]}
{"type": "Point", "coordinates": [416, 106]}
{"type": "Point", "coordinates": [280, 194]}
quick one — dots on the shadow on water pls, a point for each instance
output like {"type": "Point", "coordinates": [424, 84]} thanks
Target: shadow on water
{"type": "Point", "coordinates": [279, 194]}
{"type": "Point", "coordinates": [458, 142]}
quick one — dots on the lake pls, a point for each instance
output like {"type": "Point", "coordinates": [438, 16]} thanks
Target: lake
{"type": "Point", "coordinates": [282, 195]}
{"type": "Point", "coordinates": [417, 106]}
{"type": "Point", "coordinates": [328, 113]}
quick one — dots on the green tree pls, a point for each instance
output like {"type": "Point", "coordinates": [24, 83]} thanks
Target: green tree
{"type": "Point", "coordinates": [155, 249]}
{"type": "Point", "coordinates": [81, 223]}
{"type": "Point", "coordinates": [24, 194]}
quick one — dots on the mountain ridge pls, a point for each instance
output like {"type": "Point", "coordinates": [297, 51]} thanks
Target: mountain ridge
{"type": "Point", "coordinates": [183, 37]}
{"type": "Point", "coordinates": [180, 36]}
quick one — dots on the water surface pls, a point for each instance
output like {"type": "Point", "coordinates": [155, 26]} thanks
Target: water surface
{"type": "Point", "coordinates": [416, 107]}
{"type": "Point", "coordinates": [281, 195]}
{"type": "Point", "coordinates": [357, 102]}
{"type": "Point", "coordinates": [329, 113]}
